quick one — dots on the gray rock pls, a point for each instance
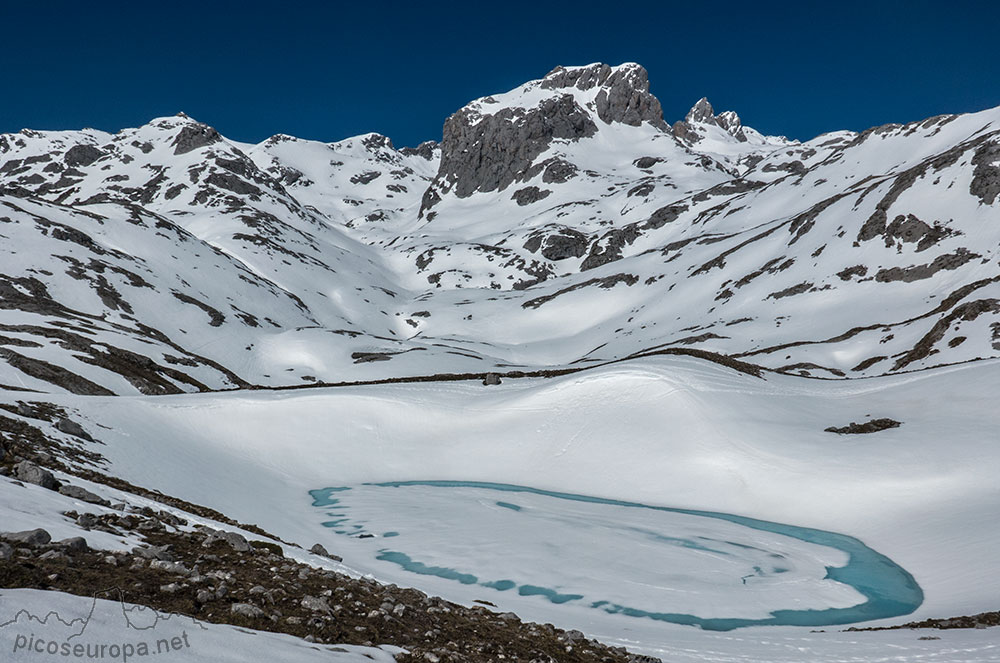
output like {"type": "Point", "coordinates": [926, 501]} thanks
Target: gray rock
{"type": "Point", "coordinates": [6, 551]}
{"type": "Point", "coordinates": [490, 152]}
{"type": "Point", "coordinates": [30, 473]}
{"type": "Point", "coordinates": [246, 610]}
{"type": "Point", "coordinates": [425, 150]}
{"type": "Point", "coordinates": [318, 549]}
{"type": "Point", "coordinates": [34, 537]}
{"type": "Point", "coordinates": [529, 194]}
{"type": "Point", "coordinates": [194, 135]}
{"type": "Point", "coordinates": [701, 112]}
{"type": "Point", "coordinates": [82, 494]}
{"type": "Point", "coordinates": [73, 544]}
{"type": "Point", "coordinates": [86, 520]}
{"type": "Point", "coordinates": [169, 567]}
{"type": "Point", "coordinates": [204, 596]}
{"type": "Point", "coordinates": [315, 604]}
{"type": "Point", "coordinates": [154, 552]}
{"type": "Point", "coordinates": [52, 554]}
{"type": "Point", "coordinates": [491, 379]}
{"type": "Point", "coordinates": [236, 541]}
{"type": "Point", "coordinates": [70, 427]}
{"type": "Point", "coordinates": [82, 155]}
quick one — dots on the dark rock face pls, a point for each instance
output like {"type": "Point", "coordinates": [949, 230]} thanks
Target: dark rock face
{"type": "Point", "coordinates": [986, 177]}
{"type": "Point", "coordinates": [626, 99]}
{"type": "Point", "coordinates": [490, 152]}
{"type": "Point", "coordinates": [82, 155]}
{"type": "Point", "coordinates": [609, 247]}
{"type": "Point", "coordinates": [425, 150]}
{"type": "Point", "coordinates": [529, 194]}
{"type": "Point", "coordinates": [194, 135]}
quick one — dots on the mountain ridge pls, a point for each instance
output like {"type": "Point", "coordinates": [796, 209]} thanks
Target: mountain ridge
{"type": "Point", "coordinates": [558, 224]}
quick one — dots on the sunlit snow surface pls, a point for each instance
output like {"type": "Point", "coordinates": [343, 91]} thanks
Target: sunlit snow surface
{"type": "Point", "coordinates": [714, 570]}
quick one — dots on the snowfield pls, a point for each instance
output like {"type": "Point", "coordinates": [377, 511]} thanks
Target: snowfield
{"type": "Point", "coordinates": [675, 432]}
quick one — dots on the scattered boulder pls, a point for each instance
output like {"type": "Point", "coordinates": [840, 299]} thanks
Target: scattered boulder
{"type": "Point", "coordinates": [169, 567]}
{"type": "Point", "coordinates": [246, 610]}
{"type": "Point", "coordinates": [70, 427]}
{"type": "Point", "coordinates": [6, 551]}
{"type": "Point", "coordinates": [491, 379]}
{"type": "Point", "coordinates": [318, 549]}
{"type": "Point", "coordinates": [236, 541]}
{"type": "Point", "coordinates": [82, 494]}
{"type": "Point", "coordinates": [52, 554]}
{"type": "Point", "coordinates": [73, 544]}
{"type": "Point", "coordinates": [30, 473]}
{"type": "Point", "coordinates": [154, 552]}
{"type": "Point", "coordinates": [315, 604]}
{"type": "Point", "coordinates": [34, 537]}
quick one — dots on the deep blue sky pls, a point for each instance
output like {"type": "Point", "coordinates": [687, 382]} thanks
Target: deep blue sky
{"type": "Point", "coordinates": [331, 70]}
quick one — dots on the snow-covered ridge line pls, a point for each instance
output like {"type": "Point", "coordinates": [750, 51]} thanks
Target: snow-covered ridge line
{"type": "Point", "coordinates": [561, 223]}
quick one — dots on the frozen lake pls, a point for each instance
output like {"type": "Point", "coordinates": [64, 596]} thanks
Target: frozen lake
{"type": "Point", "coordinates": [714, 570]}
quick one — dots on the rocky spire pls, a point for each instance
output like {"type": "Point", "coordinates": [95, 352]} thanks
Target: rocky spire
{"type": "Point", "coordinates": [703, 113]}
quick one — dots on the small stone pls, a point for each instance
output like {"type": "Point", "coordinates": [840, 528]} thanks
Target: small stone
{"type": "Point", "coordinates": [170, 589]}
{"type": "Point", "coordinates": [86, 520]}
{"type": "Point", "coordinates": [30, 473]}
{"type": "Point", "coordinates": [246, 610]}
{"type": "Point", "coordinates": [111, 560]}
{"type": "Point", "coordinates": [73, 545]}
{"type": "Point", "coordinates": [491, 379]}
{"type": "Point", "coordinates": [315, 604]}
{"type": "Point", "coordinates": [320, 550]}
{"type": "Point", "coordinates": [204, 596]}
{"type": "Point", "coordinates": [6, 551]}
{"type": "Point", "coordinates": [169, 567]}
{"type": "Point", "coordinates": [82, 494]}
{"type": "Point", "coordinates": [34, 537]}
{"type": "Point", "coordinates": [154, 552]}
{"type": "Point", "coordinates": [52, 554]}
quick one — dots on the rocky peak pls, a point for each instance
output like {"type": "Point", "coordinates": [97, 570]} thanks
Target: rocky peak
{"type": "Point", "coordinates": [703, 113]}
{"type": "Point", "coordinates": [492, 142]}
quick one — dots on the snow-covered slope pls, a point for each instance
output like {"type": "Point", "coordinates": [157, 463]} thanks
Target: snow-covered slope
{"type": "Point", "coordinates": [561, 222]}
{"type": "Point", "coordinates": [565, 228]}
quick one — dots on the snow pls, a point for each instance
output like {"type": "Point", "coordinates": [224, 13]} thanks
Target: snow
{"type": "Point", "coordinates": [304, 256]}
{"type": "Point", "coordinates": [668, 431]}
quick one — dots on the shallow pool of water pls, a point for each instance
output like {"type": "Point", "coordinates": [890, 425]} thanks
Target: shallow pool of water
{"type": "Point", "coordinates": [714, 570]}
